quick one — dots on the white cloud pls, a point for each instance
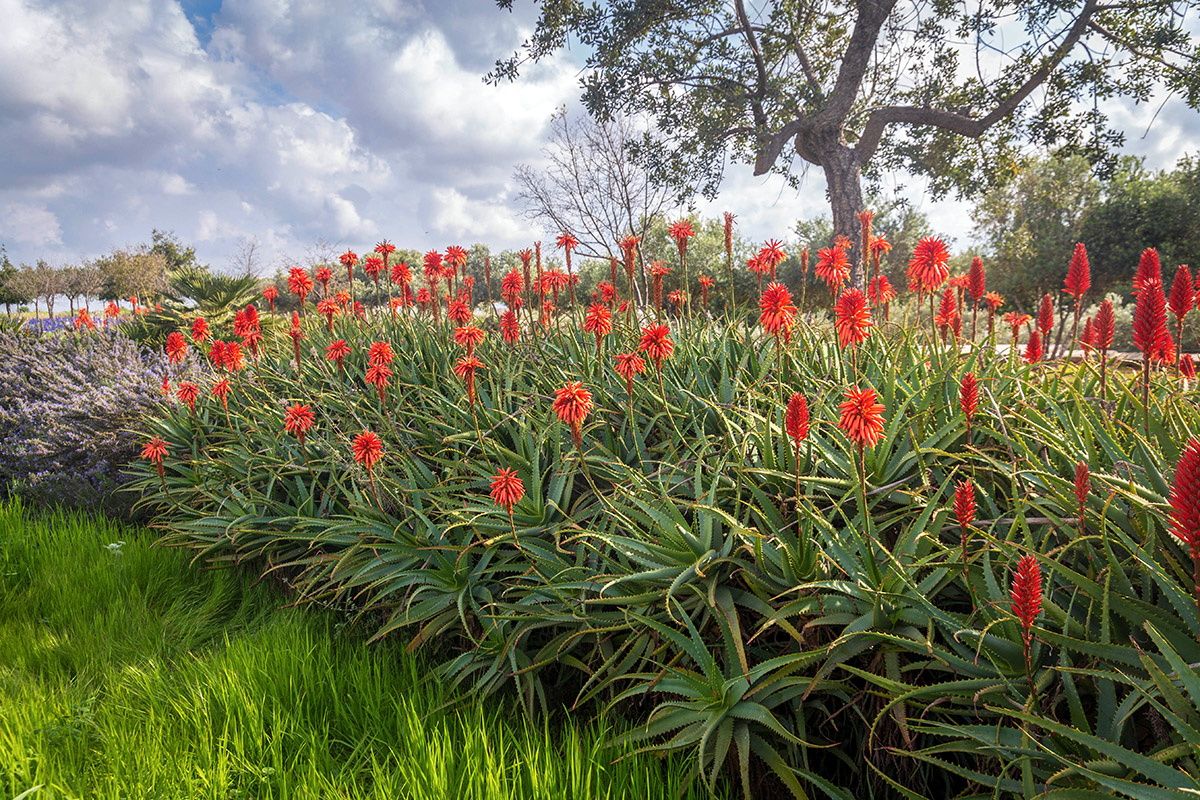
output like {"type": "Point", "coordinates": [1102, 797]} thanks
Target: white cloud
{"type": "Point", "coordinates": [459, 218]}
{"type": "Point", "coordinates": [30, 224]}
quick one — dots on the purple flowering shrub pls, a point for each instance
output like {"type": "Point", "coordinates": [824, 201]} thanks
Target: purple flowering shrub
{"type": "Point", "coordinates": [69, 408]}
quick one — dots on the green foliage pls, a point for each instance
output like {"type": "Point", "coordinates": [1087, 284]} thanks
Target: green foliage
{"type": "Point", "coordinates": [1140, 209]}
{"type": "Point", "coordinates": [192, 293]}
{"type": "Point", "coordinates": [839, 642]}
{"type": "Point", "coordinates": [1030, 226]}
{"type": "Point", "coordinates": [128, 672]}
{"type": "Point", "coordinates": [12, 293]}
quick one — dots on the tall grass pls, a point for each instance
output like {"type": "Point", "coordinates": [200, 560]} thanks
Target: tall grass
{"type": "Point", "coordinates": [127, 673]}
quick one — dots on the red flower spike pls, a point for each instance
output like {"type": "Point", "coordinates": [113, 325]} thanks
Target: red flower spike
{"type": "Point", "coordinates": [968, 396]}
{"type": "Point", "coordinates": [298, 420]}
{"type": "Point", "coordinates": [220, 391]}
{"type": "Point", "coordinates": [1033, 350]}
{"type": "Point", "coordinates": [367, 449]}
{"type": "Point", "coordinates": [380, 354]}
{"type": "Point", "coordinates": [778, 314]}
{"type": "Point", "coordinates": [598, 321]}
{"type": "Point", "coordinates": [1083, 487]}
{"type": "Point", "coordinates": [681, 231]}
{"type": "Point", "coordinates": [468, 338]}
{"type": "Point", "coordinates": [861, 417]}
{"type": "Point", "coordinates": [299, 283]}
{"type": "Point", "coordinates": [378, 376]}
{"type": "Point", "coordinates": [1079, 274]}
{"type": "Point", "coordinates": [234, 361]}
{"type": "Point", "coordinates": [629, 366]}
{"type": "Point", "coordinates": [1045, 319]}
{"type": "Point", "coordinates": [509, 328]}
{"type": "Point", "coordinates": [796, 419]}
{"type": "Point", "coordinates": [176, 347]}
{"type": "Point", "coordinates": [656, 343]}
{"type": "Point", "coordinates": [929, 267]}
{"type": "Point", "coordinates": [1149, 318]}
{"type": "Point", "coordinates": [976, 279]}
{"type": "Point", "coordinates": [1149, 270]}
{"type": "Point", "coordinates": [853, 318]}
{"type": "Point", "coordinates": [964, 503]}
{"type": "Point", "coordinates": [1183, 295]}
{"type": "Point", "coordinates": [507, 489]}
{"type": "Point", "coordinates": [155, 451]}
{"type": "Point", "coordinates": [199, 330]}
{"type": "Point", "coordinates": [947, 310]}
{"type": "Point", "coordinates": [1104, 327]}
{"type": "Point", "coordinates": [337, 352]}
{"type": "Point", "coordinates": [1187, 367]}
{"type": "Point", "coordinates": [832, 267]}
{"type": "Point", "coordinates": [1087, 339]}
{"type": "Point", "coordinates": [465, 369]}
{"type": "Point", "coordinates": [1026, 595]}
{"type": "Point", "coordinates": [572, 403]}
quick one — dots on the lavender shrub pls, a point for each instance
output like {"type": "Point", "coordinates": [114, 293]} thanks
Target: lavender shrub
{"type": "Point", "coordinates": [69, 404]}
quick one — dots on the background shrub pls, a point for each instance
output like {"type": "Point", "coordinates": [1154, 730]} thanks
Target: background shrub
{"type": "Point", "coordinates": [67, 406]}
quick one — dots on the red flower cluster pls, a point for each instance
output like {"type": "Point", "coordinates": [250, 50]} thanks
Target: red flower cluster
{"type": "Point", "coordinates": [778, 314]}
{"type": "Point", "coordinates": [930, 265]}
{"type": "Point", "coordinates": [507, 489]}
{"type": "Point", "coordinates": [853, 318]}
{"type": "Point", "coordinates": [862, 417]}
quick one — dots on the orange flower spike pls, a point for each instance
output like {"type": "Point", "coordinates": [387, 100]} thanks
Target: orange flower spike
{"type": "Point", "coordinates": [187, 394]}
{"type": "Point", "coordinates": [598, 322]}
{"type": "Point", "coordinates": [573, 403]}
{"type": "Point", "coordinates": [861, 417]}
{"type": "Point", "coordinates": [298, 420]}
{"type": "Point", "coordinates": [656, 344]}
{"type": "Point", "coordinates": [468, 338]}
{"type": "Point", "coordinates": [337, 352]}
{"type": "Point", "coordinates": [507, 489]}
{"type": "Point", "coordinates": [777, 312]}
{"type": "Point", "coordinates": [853, 318]}
{"type": "Point", "coordinates": [155, 451]}
{"type": "Point", "coordinates": [930, 265]}
{"type": "Point", "coordinates": [176, 347]}
{"type": "Point", "coordinates": [629, 366]}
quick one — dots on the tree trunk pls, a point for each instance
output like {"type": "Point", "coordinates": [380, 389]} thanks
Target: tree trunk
{"type": "Point", "coordinates": [843, 177]}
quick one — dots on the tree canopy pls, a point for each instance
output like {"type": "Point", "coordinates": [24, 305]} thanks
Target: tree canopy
{"type": "Point", "coordinates": [1029, 227]}
{"type": "Point", "coordinates": [944, 90]}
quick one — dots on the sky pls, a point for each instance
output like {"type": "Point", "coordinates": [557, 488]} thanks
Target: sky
{"type": "Point", "coordinates": [292, 121]}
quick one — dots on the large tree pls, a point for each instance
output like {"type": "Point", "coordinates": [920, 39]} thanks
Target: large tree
{"type": "Point", "coordinates": [946, 90]}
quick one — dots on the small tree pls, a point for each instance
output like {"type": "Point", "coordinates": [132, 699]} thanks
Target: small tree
{"type": "Point", "coordinates": [590, 186]}
{"type": "Point", "coordinates": [10, 285]}
{"type": "Point", "coordinates": [132, 272]}
{"type": "Point", "coordinates": [49, 284]}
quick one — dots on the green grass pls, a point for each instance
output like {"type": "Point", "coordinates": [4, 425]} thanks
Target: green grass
{"type": "Point", "coordinates": [125, 672]}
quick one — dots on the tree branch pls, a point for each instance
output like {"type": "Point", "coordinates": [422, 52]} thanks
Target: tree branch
{"type": "Point", "coordinates": [962, 124]}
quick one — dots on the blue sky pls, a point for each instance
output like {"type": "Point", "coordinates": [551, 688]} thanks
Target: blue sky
{"type": "Point", "coordinates": [299, 122]}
